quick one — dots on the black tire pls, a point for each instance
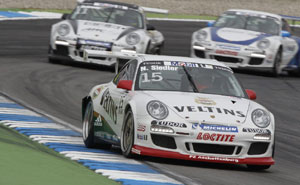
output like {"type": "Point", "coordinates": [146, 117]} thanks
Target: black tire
{"type": "Point", "coordinates": [88, 126]}
{"type": "Point", "coordinates": [127, 136]}
{"type": "Point", "coordinates": [276, 66]}
{"type": "Point", "coordinates": [88, 130]}
{"type": "Point", "coordinates": [51, 60]}
{"type": "Point", "coordinates": [258, 167]}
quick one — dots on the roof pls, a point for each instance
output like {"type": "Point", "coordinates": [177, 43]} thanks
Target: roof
{"type": "Point", "coordinates": [181, 59]}
{"type": "Point", "coordinates": [111, 2]}
{"type": "Point", "coordinates": [256, 12]}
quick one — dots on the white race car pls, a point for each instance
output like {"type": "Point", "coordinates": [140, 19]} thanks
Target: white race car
{"type": "Point", "coordinates": [105, 26]}
{"type": "Point", "coordinates": [247, 39]}
{"type": "Point", "coordinates": [178, 107]}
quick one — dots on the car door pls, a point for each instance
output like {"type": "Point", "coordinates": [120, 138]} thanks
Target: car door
{"type": "Point", "coordinates": [119, 95]}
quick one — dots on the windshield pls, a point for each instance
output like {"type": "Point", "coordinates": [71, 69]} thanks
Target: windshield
{"type": "Point", "coordinates": [126, 17]}
{"type": "Point", "coordinates": [172, 76]}
{"type": "Point", "coordinates": [259, 23]}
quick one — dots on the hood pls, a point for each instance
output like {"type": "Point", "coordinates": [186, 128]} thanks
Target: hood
{"type": "Point", "coordinates": [236, 36]}
{"type": "Point", "coordinates": [101, 30]}
{"type": "Point", "coordinates": [205, 107]}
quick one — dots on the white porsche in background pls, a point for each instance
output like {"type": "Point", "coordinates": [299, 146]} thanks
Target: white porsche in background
{"type": "Point", "coordinates": [178, 107]}
{"type": "Point", "coordinates": [247, 39]}
{"type": "Point", "coordinates": [104, 26]}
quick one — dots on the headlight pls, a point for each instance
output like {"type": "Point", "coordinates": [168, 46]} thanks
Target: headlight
{"type": "Point", "coordinates": [133, 39]}
{"type": "Point", "coordinates": [201, 35]}
{"type": "Point", "coordinates": [63, 29]}
{"type": "Point", "coordinates": [157, 110]}
{"type": "Point", "coordinates": [263, 44]}
{"type": "Point", "coordinates": [261, 118]}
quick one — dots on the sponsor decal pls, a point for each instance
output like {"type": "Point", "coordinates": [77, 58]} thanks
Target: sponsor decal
{"type": "Point", "coordinates": [142, 137]}
{"type": "Point", "coordinates": [177, 63]}
{"type": "Point", "coordinates": [169, 123]}
{"type": "Point", "coordinates": [213, 158]}
{"type": "Point", "coordinates": [195, 126]}
{"type": "Point", "coordinates": [98, 122]}
{"type": "Point", "coordinates": [141, 128]}
{"type": "Point", "coordinates": [219, 128]}
{"type": "Point", "coordinates": [97, 92]}
{"type": "Point", "coordinates": [109, 105]}
{"type": "Point", "coordinates": [226, 52]}
{"type": "Point", "coordinates": [215, 137]}
{"type": "Point", "coordinates": [121, 105]}
{"type": "Point", "coordinates": [256, 130]}
{"type": "Point", "coordinates": [209, 110]}
{"type": "Point", "coordinates": [204, 101]}
{"type": "Point", "coordinates": [136, 151]}
{"type": "Point", "coordinates": [223, 68]}
{"type": "Point", "coordinates": [92, 30]}
{"type": "Point", "coordinates": [228, 47]}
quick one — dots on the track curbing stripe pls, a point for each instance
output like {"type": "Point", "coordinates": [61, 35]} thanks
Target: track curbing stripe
{"type": "Point", "coordinates": [70, 144]}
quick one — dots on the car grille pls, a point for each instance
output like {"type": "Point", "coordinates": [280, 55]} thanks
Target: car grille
{"type": "Point", "coordinates": [199, 53]}
{"type": "Point", "coordinates": [214, 148]}
{"type": "Point", "coordinates": [163, 141]}
{"type": "Point", "coordinates": [61, 50]}
{"type": "Point", "coordinates": [258, 148]}
{"type": "Point", "coordinates": [256, 61]}
{"type": "Point", "coordinates": [227, 59]}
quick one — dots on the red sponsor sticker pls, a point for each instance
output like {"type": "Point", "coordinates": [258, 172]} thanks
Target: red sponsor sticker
{"type": "Point", "coordinates": [226, 52]}
{"type": "Point", "coordinates": [215, 137]}
{"type": "Point", "coordinates": [141, 128]}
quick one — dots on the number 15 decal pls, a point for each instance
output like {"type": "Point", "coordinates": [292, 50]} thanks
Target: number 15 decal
{"type": "Point", "coordinates": [156, 77]}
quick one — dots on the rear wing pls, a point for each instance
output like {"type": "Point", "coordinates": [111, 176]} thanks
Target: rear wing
{"type": "Point", "coordinates": [87, 53]}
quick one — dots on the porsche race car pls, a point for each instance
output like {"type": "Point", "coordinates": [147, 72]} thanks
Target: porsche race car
{"type": "Point", "coordinates": [248, 39]}
{"type": "Point", "coordinates": [179, 107]}
{"type": "Point", "coordinates": [105, 26]}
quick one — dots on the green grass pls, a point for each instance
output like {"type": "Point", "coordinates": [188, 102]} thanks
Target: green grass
{"type": "Point", "coordinates": [24, 161]}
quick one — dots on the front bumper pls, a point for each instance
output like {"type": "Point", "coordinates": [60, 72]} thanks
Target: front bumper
{"type": "Point", "coordinates": [234, 56]}
{"type": "Point", "coordinates": [220, 143]}
{"type": "Point", "coordinates": [74, 51]}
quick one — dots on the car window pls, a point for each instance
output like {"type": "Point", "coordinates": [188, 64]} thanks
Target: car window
{"type": "Point", "coordinates": [126, 17]}
{"type": "Point", "coordinates": [127, 72]}
{"type": "Point", "coordinates": [171, 76]}
{"type": "Point", "coordinates": [253, 22]}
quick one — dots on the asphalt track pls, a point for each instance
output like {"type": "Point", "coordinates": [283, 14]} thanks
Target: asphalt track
{"type": "Point", "coordinates": [57, 89]}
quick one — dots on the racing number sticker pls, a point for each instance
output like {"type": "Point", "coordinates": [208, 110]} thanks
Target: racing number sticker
{"type": "Point", "coordinates": [156, 77]}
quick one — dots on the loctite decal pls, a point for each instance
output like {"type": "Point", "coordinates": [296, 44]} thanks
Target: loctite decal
{"type": "Point", "coordinates": [215, 137]}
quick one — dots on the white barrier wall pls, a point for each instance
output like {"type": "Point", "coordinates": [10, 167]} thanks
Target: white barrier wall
{"type": "Point", "coordinates": [200, 7]}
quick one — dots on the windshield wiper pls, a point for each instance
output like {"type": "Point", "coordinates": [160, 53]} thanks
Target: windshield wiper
{"type": "Point", "coordinates": [190, 78]}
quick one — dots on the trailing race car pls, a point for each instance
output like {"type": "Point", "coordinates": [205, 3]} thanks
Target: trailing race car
{"type": "Point", "coordinates": [105, 26]}
{"type": "Point", "coordinates": [178, 107]}
{"type": "Point", "coordinates": [248, 39]}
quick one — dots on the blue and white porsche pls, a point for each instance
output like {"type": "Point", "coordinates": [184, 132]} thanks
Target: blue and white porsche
{"type": "Point", "coordinates": [247, 39]}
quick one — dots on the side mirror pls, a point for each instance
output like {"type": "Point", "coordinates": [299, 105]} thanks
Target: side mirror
{"type": "Point", "coordinates": [65, 16]}
{"type": "Point", "coordinates": [285, 34]}
{"type": "Point", "coordinates": [210, 23]}
{"type": "Point", "coordinates": [251, 94]}
{"type": "Point", "coordinates": [150, 27]}
{"type": "Point", "coordinates": [125, 84]}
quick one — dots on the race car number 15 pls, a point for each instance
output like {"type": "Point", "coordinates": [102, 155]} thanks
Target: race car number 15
{"type": "Point", "coordinates": [156, 77]}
